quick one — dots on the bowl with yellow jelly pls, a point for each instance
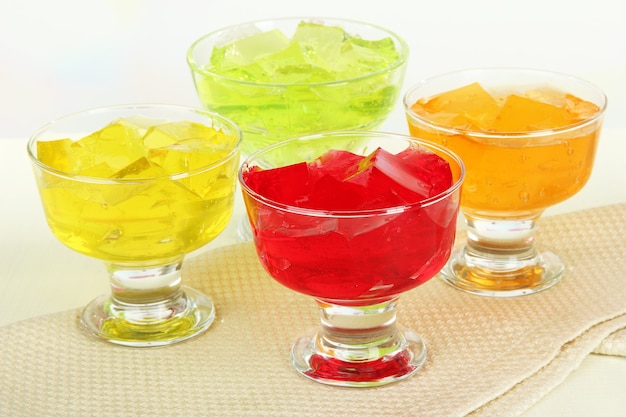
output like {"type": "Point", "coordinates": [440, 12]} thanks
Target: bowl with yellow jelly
{"type": "Point", "coordinates": [281, 78]}
{"type": "Point", "coordinates": [138, 187]}
{"type": "Point", "coordinates": [528, 138]}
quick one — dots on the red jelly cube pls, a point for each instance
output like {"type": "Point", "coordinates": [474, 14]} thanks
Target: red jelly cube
{"type": "Point", "coordinates": [341, 180]}
{"type": "Point", "coordinates": [330, 193]}
{"type": "Point", "coordinates": [287, 185]}
{"type": "Point", "coordinates": [336, 163]}
{"type": "Point", "coordinates": [430, 171]}
{"type": "Point", "coordinates": [409, 177]}
{"type": "Point", "coordinates": [379, 189]}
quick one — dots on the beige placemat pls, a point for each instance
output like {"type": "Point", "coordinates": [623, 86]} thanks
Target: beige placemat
{"type": "Point", "coordinates": [487, 357]}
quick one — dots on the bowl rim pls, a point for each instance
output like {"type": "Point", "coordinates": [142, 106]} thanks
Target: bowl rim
{"type": "Point", "coordinates": [233, 153]}
{"type": "Point", "coordinates": [403, 52]}
{"type": "Point", "coordinates": [354, 213]}
{"type": "Point", "coordinates": [410, 114]}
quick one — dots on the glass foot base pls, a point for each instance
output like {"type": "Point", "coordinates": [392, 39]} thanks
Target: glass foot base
{"type": "Point", "coordinates": [368, 366]}
{"type": "Point", "coordinates": [158, 324]}
{"type": "Point", "coordinates": [503, 277]}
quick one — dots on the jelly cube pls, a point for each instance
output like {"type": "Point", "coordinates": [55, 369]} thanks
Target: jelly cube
{"type": "Point", "coordinates": [184, 146]}
{"type": "Point", "coordinates": [252, 72]}
{"type": "Point", "coordinates": [360, 55]}
{"type": "Point", "coordinates": [522, 114]}
{"type": "Point", "coordinates": [166, 134]}
{"type": "Point", "coordinates": [330, 193]}
{"type": "Point", "coordinates": [118, 145]}
{"type": "Point", "coordinates": [141, 168]}
{"type": "Point", "coordinates": [288, 185]}
{"type": "Point", "coordinates": [341, 180]}
{"type": "Point", "coordinates": [56, 154]}
{"type": "Point", "coordinates": [187, 155]}
{"type": "Point", "coordinates": [337, 163]}
{"type": "Point", "coordinates": [580, 109]}
{"type": "Point", "coordinates": [291, 65]}
{"type": "Point", "coordinates": [431, 172]}
{"type": "Point", "coordinates": [315, 53]}
{"type": "Point", "coordinates": [387, 181]}
{"type": "Point", "coordinates": [246, 50]}
{"type": "Point", "coordinates": [98, 170]}
{"type": "Point", "coordinates": [137, 148]}
{"type": "Point", "coordinates": [322, 42]}
{"type": "Point", "coordinates": [471, 106]}
{"type": "Point", "coordinates": [318, 34]}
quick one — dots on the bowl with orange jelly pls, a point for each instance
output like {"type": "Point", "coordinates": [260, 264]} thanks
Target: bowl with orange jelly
{"type": "Point", "coordinates": [528, 139]}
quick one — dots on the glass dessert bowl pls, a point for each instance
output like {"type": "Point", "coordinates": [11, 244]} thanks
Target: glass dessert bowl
{"type": "Point", "coordinates": [287, 77]}
{"type": "Point", "coordinates": [280, 78]}
{"type": "Point", "coordinates": [138, 187]}
{"type": "Point", "coordinates": [528, 139]}
{"type": "Point", "coordinates": [353, 220]}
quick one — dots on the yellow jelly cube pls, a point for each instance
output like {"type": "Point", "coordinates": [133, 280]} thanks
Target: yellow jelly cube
{"type": "Point", "coordinates": [187, 145]}
{"type": "Point", "coordinates": [118, 145]}
{"type": "Point", "coordinates": [100, 170]}
{"type": "Point", "coordinates": [158, 137]}
{"type": "Point", "coordinates": [56, 153]}
{"type": "Point", "coordinates": [166, 134]}
{"type": "Point", "coordinates": [141, 168]}
{"type": "Point", "coordinates": [188, 155]}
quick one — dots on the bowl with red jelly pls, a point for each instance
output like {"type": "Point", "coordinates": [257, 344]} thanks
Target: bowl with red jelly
{"type": "Point", "coordinates": [353, 220]}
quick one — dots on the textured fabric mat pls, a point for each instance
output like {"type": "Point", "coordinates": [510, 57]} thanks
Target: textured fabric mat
{"type": "Point", "coordinates": [486, 357]}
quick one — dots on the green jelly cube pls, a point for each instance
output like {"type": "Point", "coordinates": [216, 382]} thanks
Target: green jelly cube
{"type": "Point", "coordinates": [374, 53]}
{"type": "Point", "coordinates": [246, 50]}
{"type": "Point", "coordinates": [323, 43]}
{"type": "Point", "coordinates": [293, 65]}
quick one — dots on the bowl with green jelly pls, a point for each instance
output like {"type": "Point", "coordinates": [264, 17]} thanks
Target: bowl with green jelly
{"type": "Point", "coordinates": [287, 77]}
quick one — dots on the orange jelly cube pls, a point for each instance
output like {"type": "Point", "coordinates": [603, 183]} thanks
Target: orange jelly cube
{"type": "Point", "coordinates": [470, 106]}
{"type": "Point", "coordinates": [579, 108]}
{"type": "Point", "coordinates": [523, 114]}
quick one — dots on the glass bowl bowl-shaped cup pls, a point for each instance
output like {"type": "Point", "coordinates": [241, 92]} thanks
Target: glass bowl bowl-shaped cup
{"type": "Point", "coordinates": [354, 263]}
{"type": "Point", "coordinates": [272, 95]}
{"type": "Point", "coordinates": [271, 101]}
{"type": "Point", "coordinates": [512, 176]}
{"type": "Point", "coordinates": [140, 222]}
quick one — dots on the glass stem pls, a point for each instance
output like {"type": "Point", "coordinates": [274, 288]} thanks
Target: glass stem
{"type": "Point", "coordinates": [358, 346]}
{"type": "Point", "coordinates": [358, 333]}
{"type": "Point", "coordinates": [147, 306]}
{"type": "Point", "coordinates": [146, 294]}
{"type": "Point", "coordinates": [500, 259]}
{"type": "Point", "coordinates": [501, 246]}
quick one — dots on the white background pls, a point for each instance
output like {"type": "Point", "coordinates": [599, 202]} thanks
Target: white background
{"type": "Point", "coordinates": [63, 56]}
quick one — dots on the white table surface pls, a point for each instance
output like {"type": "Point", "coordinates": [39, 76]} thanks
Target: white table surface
{"type": "Point", "coordinates": [69, 55]}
